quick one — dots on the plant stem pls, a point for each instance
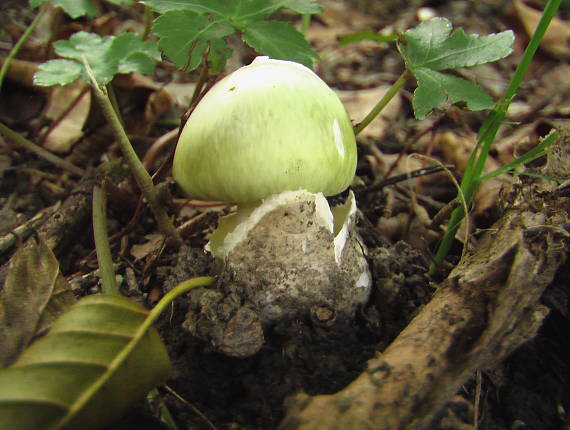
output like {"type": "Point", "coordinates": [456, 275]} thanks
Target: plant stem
{"type": "Point", "coordinates": [486, 136]}
{"type": "Point", "coordinates": [382, 103]}
{"type": "Point", "coordinates": [140, 174]}
{"type": "Point", "coordinates": [108, 280]}
{"type": "Point", "coordinates": [180, 289]}
{"type": "Point", "coordinates": [39, 151]}
{"type": "Point", "coordinates": [305, 23]}
{"type": "Point", "coordinates": [14, 51]}
{"type": "Point", "coordinates": [147, 22]}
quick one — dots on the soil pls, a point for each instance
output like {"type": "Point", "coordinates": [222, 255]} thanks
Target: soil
{"type": "Point", "coordinates": [526, 387]}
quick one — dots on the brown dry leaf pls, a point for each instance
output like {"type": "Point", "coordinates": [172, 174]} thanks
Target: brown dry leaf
{"type": "Point", "coordinates": [456, 150]}
{"type": "Point", "coordinates": [517, 143]}
{"type": "Point", "coordinates": [556, 39]}
{"type": "Point", "coordinates": [553, 92]}
{"type": "Point", "coordinates": [181, 93]}
{"type": "Point", "coordinates": [70, 129]}
{"type": "Point", "coordinates": [358, 103]}
{"type": "Point", "coordinates": [338, 19]}
{"type": "Point", "coordinates": [152, 245]}
{"type": "Point", "coordinates": [158, 101]}
{"type": "Point", "coordinates": [34, 295]}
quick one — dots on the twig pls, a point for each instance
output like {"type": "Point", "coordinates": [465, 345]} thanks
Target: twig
{"type": "Point", "coordinates": [20, 140]}
{"type": "Point", "coordinates": [191, 406]}
{"type": "Point", "coordinates": [27, 228]}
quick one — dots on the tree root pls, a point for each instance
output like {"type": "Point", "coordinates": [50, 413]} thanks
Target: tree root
{"type": "Point", "coordinates": [487, 307]}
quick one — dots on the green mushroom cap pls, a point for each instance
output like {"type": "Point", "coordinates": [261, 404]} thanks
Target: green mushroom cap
{"type": "Point", "coordinates": [269, 127]}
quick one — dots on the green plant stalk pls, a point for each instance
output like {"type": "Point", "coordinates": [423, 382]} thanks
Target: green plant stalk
{"type": "Point", "coordinates": [147, 22]}
{"type": "Point", "coordinates": [39, 151]}
{"type": "Point", "coordinates": [486, 136]}
{"type": "Point", "coordinates": [14, 51]}
{"type": "Point", "coordinates": [140, 174]}
{"type": "Point", "coordinates": [536, 152]}
{"type": "Point", "coordinates": [382, 103]}
{"type": "Point", "coordinates": [108, 280]}
{"type": "Point", "coordinates": [139, 334]}
{"type": "Point", "coordinates": [305, 23]}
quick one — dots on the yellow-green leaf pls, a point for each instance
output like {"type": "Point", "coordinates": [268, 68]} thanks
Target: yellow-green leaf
{"type": "Point", "coordinates": [98, 359]}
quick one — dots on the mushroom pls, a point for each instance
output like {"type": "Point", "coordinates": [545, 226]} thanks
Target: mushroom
{"type": "Point", "coordinates": [275, 139]}
{"type": "Point", "coordinates": [269, 127]}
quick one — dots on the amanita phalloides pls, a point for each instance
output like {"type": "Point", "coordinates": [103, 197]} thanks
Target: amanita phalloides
{"type": "Point", "coordinates": [273, 138]}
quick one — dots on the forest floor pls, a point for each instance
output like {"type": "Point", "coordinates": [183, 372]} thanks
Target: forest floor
{"type": "Point", "coordinates": [527, 387]}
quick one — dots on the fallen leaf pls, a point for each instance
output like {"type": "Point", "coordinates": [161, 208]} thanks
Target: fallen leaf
{"type": "Point", "coordinates": [358, 103]}
{"type": "Point", "coordinates": [556, 40]}
{"type": "Point", "coordinates": [69, 130]}
{"type": "Point", "coordinates": [153, 243]}
{"type": "Point", "coordinates": [34, 295]}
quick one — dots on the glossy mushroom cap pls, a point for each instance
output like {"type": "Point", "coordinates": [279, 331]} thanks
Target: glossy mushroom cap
{"type": "Point", "coordinates": [269, 127]}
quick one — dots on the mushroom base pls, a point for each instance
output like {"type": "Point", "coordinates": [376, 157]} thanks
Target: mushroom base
{"type": "Point", "coordinates": [292, 258]}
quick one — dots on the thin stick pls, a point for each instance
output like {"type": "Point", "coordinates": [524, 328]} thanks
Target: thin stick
{"type": "Point", "coordinates": [39, 151]}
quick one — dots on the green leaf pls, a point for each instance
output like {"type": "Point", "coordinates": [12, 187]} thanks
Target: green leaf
{"type": "Point", "coordinates": [57, 72]}
{"type": "Point", "coordinates": [215, 7]}
{"type": "Point", "coordinates": [94, 49]}
{"type": "Point", "coordinates": [134, 54]}
{"type": "Point", "coordinates": [201, 25]}
{"type": "Point", "coordinates": [121, 2]}
{"type": "Point", "coordinates": [431, 45]}
{"type": "Point", "coordinates": [218, 55]}
{"type": "Point", "coordinates": [299, 6]}
{"type": "Point", "coordinates": [185, 36]}
{"type": "Point", "coordinates": [434, 88]}
{"type": "Point", "coordinates": [97, 360]}
{"type": "Point", "coordinates": [74, 8]}
{"type": "Point", "coordinates": [236, 9]}
{"type": "Point", "coordinates": [106, 56]}
{"type": "Point", "coordinates": [34, 294]}
{"type": "Point", "coordinates": [279, 40]}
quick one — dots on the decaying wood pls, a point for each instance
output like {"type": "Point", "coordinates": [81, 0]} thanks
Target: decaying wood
{"type": "Point", "coordinates": [487, 307]}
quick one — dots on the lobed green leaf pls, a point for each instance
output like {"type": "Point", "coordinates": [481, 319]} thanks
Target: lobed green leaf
{"type": "Point", "coordinates": [94, 49]}
{"type": "Point", "coordinates": [434, 88]}
{"type": "Point", "coordinates": [185, 35]}
{"type": "Point", "coordinates": [134, 55]}
{"type": "Point", "coordinates": [190, 28]}
{"type": "Point", "coordinates": [237, 10]}
{"type": "Point", "coordinates": [279, 40]}
{"type": "Point", "coordinates": [74, 8]}
{"type": "Point", "coordinates": [57, 72]}
{"type": "Point", "coordinates": [106, 56]}
{"type": "Point", "coordinates": [431, 45]}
